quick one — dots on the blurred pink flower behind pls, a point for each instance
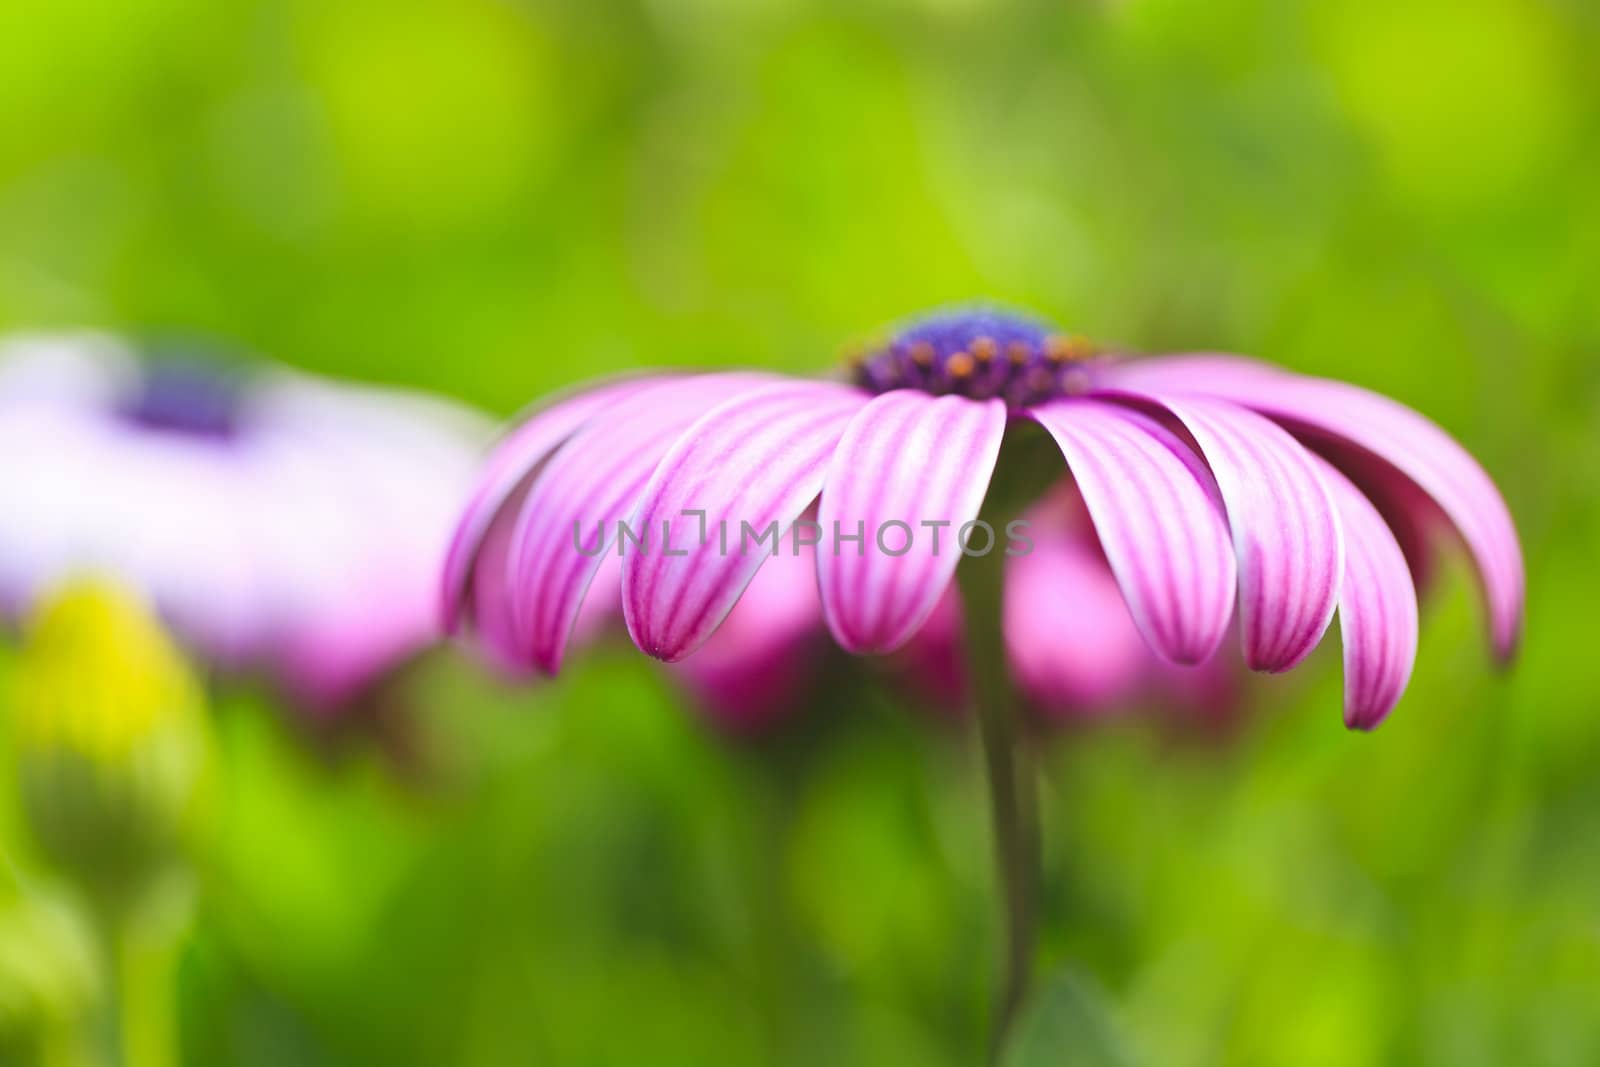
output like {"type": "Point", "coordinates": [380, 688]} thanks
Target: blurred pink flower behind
{"type": "Point", "coordinates": [280, 522]}
{"type": "Point", "coordinates": [1074, 649]}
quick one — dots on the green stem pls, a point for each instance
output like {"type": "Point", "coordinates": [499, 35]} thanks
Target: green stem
{"type": "Point", "coordinates": [1029, 464]}
{"type": "Point", "coordinates": [140, 943]}
{"type": "Point", "coordinates": [145, 958]}
{"type": "Point", "coordinates": [1013, 795]}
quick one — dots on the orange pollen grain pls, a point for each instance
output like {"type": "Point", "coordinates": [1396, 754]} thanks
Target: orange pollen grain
{"type": "Point", "coordinates": [984, 349]}
{"type": "Point", "coordinates": [1060, 348]}
{"type": "Point", "coordinates": [1057, 348]}
{"type": "Point", "coordinates": [1018, 352]}
{"type": "Point", "coordinates": [922, 354]}
{"type": "Point", "coordinates": [959, 365]}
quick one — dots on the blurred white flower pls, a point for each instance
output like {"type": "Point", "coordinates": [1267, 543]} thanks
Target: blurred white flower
{"type": "Point", "coordinates": [278, 521]}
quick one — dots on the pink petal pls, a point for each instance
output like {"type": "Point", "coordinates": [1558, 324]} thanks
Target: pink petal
{"type": "Point", "coordinates": [504, 482]}
{"type": "Point", "coordinates": [584, 490]}
{"type": "Point", "coordinates": [1404, 440]}
{"type": "Point", "coordinates": [1377, 608]}
{"type": "Point", "coordinates": [753, 464]}
{"type": "Point", "coordinates": [1190, 373]}
{"type": "Point", "coordinates": [495, 599]}
{"type": "Point", "coordinates": [491, 595]}
{"type": "Point", "coordinates": [1159, 518]}
{"type": "Point", "coordinates": [1411, 515]}
{"type": "Point", "coordinates": [600, 617]}
{"type": "Point", "coordinates": [1073, 646]}
{"type": "Point", "coordinates": [1286, 532]}
{"type": "Point", "coordinates": [906, 461]}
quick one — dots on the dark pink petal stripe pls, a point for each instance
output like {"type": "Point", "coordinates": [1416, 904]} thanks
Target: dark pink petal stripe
{"type": "Point", "coordinates": [758, 460]}
{"type": "Point", "coordinates": [1160, 520]}
{"type": "Point", "coordinates": [594, 480]}
{"type": "Point", "coordinates": [1286, 533]}
{"type": "Point", "coordinates": [505, 479]}
{"type": "Point", "coordinates": [492, 621]}
{"type": "Point", "coordinates": [906, 459]}
{"type": "Point", "coordinates": [1405, 440]}
{"type": "Point", "coordinates": [1377, 608]}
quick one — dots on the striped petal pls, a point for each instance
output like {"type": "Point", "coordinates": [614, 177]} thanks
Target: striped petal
{"type": "Point", "coordinates": [724, 497]}
{"type": "Point", "coordinates": [1377, 608]}
{"type": "Point", "coordinates": [1160, 521]}
{"type": "Point", "coordinates": [1286, 532]}
{"type": "Point", "coordinates": [1326, 411]}
{"type": "Point", "coordinates": [507, 474]}
{"type": "Point", "coordinates": [570, 516]}
{"type": "Point", "coordinates": [491, 596]}
{"type": "Point", "coordinates": [908, 463]}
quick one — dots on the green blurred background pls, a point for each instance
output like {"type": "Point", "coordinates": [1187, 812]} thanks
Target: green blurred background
{"type": "Point", "coordinates": [492, 199]}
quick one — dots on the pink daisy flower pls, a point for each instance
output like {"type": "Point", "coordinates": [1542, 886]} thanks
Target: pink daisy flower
{"type": "Point", "coordinates": [279, 522]}
{"type": "Point", "coordinates": [1214, 485]}
{"type": "Point", "coordinates": [727, 512]}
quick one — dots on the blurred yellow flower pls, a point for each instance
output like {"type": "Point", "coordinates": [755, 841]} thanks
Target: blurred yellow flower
{"type": "Point", "coordinates": [109, 736]}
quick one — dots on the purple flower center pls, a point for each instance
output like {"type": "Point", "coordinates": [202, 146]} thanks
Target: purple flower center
{"type": "Point", "coordinates": [186, 396]}
{"type": "Point", "coordinates": [980, 354]}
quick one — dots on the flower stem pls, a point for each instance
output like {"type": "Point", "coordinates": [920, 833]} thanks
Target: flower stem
{"type": "Point", "coordinates": [1013, 795]}
{"type": "Point", "coordinates": [145, 964]}
{"type": "Point", "coordinates": [141, 938]}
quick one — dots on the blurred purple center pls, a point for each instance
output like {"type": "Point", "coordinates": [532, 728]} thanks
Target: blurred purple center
{"type": "Point", "coordinates": [186, 396]}
{"type": "Point", "coordinates": [980, 354]}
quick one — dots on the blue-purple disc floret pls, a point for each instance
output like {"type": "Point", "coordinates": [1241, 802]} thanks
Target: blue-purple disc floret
{"type": "Point", "coordinates": [186, 395]}
{"type": "Point", "coordinates": [980, 354]}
